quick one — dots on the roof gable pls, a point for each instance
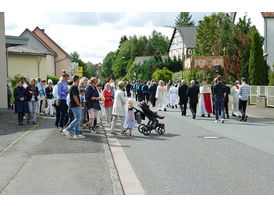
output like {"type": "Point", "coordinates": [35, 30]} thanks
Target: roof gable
{"type": "Point", "coordinates": [37, 43]}
{"type": "Point", "coordinates": [37, 28]}
{"type": "Point", "coordinates": [188, 34]}
{"type": "Point", "coordinates": [267, 14]}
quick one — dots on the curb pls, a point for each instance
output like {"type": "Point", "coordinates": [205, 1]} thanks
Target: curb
{"type": "Point", "coordinates": [127, 176]}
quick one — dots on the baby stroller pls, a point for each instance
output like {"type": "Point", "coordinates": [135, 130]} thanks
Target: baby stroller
{"type": "Point", "coordinates": [153, 123]}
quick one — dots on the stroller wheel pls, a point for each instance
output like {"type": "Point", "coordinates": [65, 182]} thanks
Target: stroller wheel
{"type": "Point", "coordinates": [146, 130]}
{"type": "Point", "coordinates": [160, 130]}
{"type": "Point", "coordinates": [141, 128]}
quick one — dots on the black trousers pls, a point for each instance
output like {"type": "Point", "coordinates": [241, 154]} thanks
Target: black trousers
{"type": "Point", "coordinates": [153, 101]}
{"type": "Point", "coordinates": [63, 113]}
{"type": "Point", "coordinates": [193, 108]}
{"type": "Point", "coordinates": [183, 107]}
{"type": "Point", "coordinates": [70, 116]}
{"type": "Point", "coordinates": [146, 97]}
{"type": "Point", "coordinates": [242, 107]}
{"type": "Point", "coordinates": [20, 116]}
{"type": "Point", "coordinates": [136, 96]}
{"type": "Point", "coordinates": [226, 107]}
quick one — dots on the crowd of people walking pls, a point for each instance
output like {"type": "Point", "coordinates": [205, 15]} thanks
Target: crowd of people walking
{"type": "Point", "coordinates": [81, 102]}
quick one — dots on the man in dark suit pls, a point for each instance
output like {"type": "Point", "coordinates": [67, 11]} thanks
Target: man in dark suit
{"type": "Point", "coordinates": [227, 91]}
{"type": "Point", "coordinates": [192, 93]}
{"type": "Point", "coordinates": [152, 91]}
{"type": "Point", "coordinates": [183, 97]}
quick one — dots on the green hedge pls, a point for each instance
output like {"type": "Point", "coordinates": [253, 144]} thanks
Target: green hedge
{"type": "Point", "coordinates": [54, 79]}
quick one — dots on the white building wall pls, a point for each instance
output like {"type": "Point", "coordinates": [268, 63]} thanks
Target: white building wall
{"type": "Point", "coordinates": [269, 38]}
{"type": "Point", "coordinates": [3, 66]}
{"type": "Point", "coordinates": [176, 48]}
{"type": "Point", "coordinates": [50, 65]}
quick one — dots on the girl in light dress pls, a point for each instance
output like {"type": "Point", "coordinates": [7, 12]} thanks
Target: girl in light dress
{"type": "Point", "coordinates": [130, 119]}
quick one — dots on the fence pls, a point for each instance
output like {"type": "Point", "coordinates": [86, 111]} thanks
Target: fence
{"type": "Point", "coordinates": [267, 91]}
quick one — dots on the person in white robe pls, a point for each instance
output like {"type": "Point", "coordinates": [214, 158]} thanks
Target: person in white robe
{"type": "Point", "coordinates": [161, 95]}
{"type": "Point", "coordinates": [205, 99]}
{"type": "Point", "coordinates": [173, 96]}
{"type": "Point", "coordinates": [235, 102]}
{"type": "Point", "coordinates": [168, 95]}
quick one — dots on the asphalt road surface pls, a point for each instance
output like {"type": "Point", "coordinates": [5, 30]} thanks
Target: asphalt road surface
{"type": "Point", "coordinates": [239, 161]}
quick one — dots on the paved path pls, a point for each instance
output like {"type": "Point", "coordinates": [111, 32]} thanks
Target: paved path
{"type": "Point", "coordinates": [43, 161]}
{"type": "Point", "coordinates": [241, 161]}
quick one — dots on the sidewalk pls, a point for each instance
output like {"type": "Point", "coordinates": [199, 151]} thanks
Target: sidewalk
{"type": "Point", "coordinates": [265, 113]}
{"type": "Point", "coordinates": [40, 160]}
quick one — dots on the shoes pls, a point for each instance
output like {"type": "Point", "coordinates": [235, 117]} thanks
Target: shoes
{"type": "Point", "coordinates": [208, 115]}
{"type": "Point", "coordinates": [182, 113]}
{"type": "Point", "coordinates": [172, 107]}
{"type": "Point", "coordinates": [222, 120]}
{"type": "Point", "coordinates": [66, 133]}
{"type": "Point", "coordinates": [93, 131]}
{"type": "Point", "coordinates": [123, 132]}
{"type": "Point", "coordinates": [241, 119]}
{"type": "Point", "coordinates": [216, 121]}
{"type": "Point", "coordinates": [113, 133]}
{"type": "Point", "coordinates": [20, 123]}
{"type": "Point", "coordinates": [176, 106]}
{"type": "Point", "coordinates": [245, 119]}
{"type": "Point", "coordinates": [234, 115]}
{"type": "Point", "coordinates": [193, 117]}
{"type": "Point", "coordinates": [203, 115]}
{"type": "Point", "coordinates": [34, 122]}
{"type": "Point", "coordinates": [165, 109]}
{"type": "Point", "coordinates": [79, 136]}
{"type": "Point", "coordinates": [52, 115]}
{"type": "Point", "coordinates": [131, 135]}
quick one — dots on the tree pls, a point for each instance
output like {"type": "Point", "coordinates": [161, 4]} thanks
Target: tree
{"type": "Point", "coordinates": [157, 43]}
{"type": "Point", "coordinates": [184, 19]}
{"type": "Point", "coordinates": [257, 73]}
{"type": "Point", "coordinates": [121, 61]}
{"type": "Point", "coordinates": [122, 40]}
{"type": "Point", "coordinates": [108, 64]}
{"type": "Point", "coordinates": [208, 37]}
{"type": "Point", "coordinates": [162, 74]}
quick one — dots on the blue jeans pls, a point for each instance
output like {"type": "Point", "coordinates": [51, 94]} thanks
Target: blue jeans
{"type": "Point", "coordinates": [76, 122]}
{"type": "Point", "coordinates": [219, 104]}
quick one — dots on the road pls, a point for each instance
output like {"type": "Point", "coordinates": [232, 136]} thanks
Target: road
{"type": "Point", "coordinates": [181, 162]}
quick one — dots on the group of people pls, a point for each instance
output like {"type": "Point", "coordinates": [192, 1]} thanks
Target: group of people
{"type": "Point", "coordinates": [30, 98]}
{"type": "Point", "coordinates": [76, 103]}
{"type": "Point", "coordinates": [79, 102]}
{"type": "Point", "coordinates": [213, 100]}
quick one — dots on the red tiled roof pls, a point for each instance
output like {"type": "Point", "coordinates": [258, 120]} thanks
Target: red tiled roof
{"type": "Point", "coordinates": [40, 40]}
{"type": "Point", "coordinates": [267, 14]}
{"type": "Point", "coordinates": [51, 40]}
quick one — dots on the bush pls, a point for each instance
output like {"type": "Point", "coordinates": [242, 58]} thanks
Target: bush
{"type": "Point", "coordinates": [271, 78]}
{"type": "Point", "coordinates": [162, 74]}
{"type": "Point", "coordinates": [14, 80]}
{"type": "Point", "coordinates": [54, 79]}
{"type": "Point", "coordinates": [177, 76]}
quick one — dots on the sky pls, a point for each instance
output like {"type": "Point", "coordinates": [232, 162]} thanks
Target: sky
{"type": "Point", "coordinates": [94, 34]}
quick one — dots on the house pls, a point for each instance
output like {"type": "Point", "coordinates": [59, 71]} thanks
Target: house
{"type": "Point", "coordinates": [27, 61]}
{"type": "Point", "coordinates": [3, 67]}
{"type": "Point", "coordinates": [38, 44]}
{"type": "Point", "coordinates": [182, 41]}
{"type": "Point", "coordinates": [269, 37]}
{"type": "Point", "coordinates": [62, 59]}
{"type": "Point", "coordinates": [140, 60]}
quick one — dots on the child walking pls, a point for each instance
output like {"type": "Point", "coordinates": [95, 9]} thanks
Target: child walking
{"type": "Point", "coordinates": [130, 119]}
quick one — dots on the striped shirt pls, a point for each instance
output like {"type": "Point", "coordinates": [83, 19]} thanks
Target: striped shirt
{"type": "Point", "coordinates": [244, 92]}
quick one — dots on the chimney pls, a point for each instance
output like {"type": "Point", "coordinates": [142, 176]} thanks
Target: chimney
{"type": "Point", "coordinates": [43, 30]}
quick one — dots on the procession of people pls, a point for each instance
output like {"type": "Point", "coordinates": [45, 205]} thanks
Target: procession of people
{"type": "Point", "coordinates": [81, 102]}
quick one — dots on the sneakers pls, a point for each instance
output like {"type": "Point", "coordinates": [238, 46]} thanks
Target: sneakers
{"type": "Point", "coordinates": [92, 130]}
{"type": "Point", "coordinates": [66, 133]}
{"type": "Point", "coordinates": [79, 136]}
{"type": "Point", "coordinates": [216, 121]}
